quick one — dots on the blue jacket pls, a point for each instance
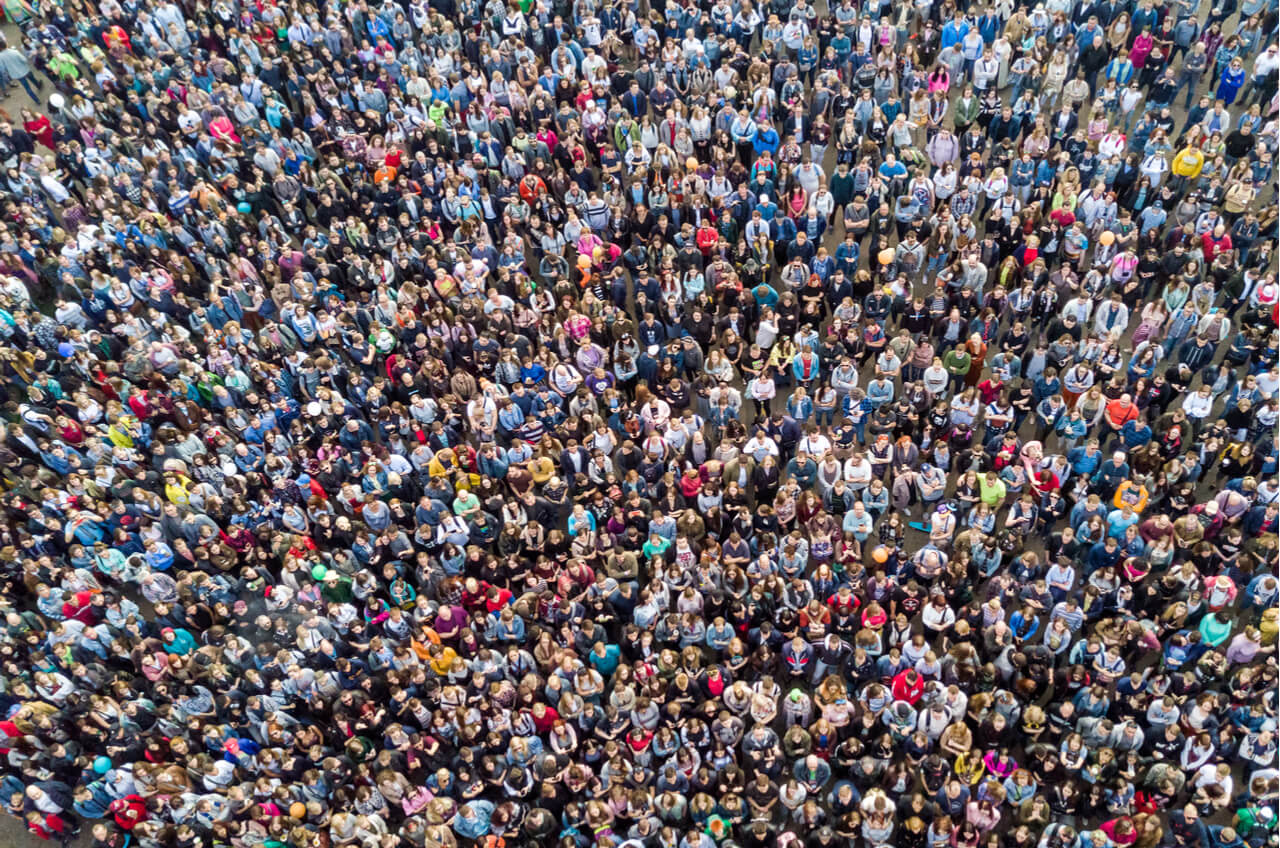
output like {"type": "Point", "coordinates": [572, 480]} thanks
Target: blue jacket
{"type": "Point", "coordinates": [800, 409]}
{"type": "Point", "coordinates": [953, 33]}
{"type": "Point", "coordinates": [1230, 83]}
{"type": "Point", "coordinates": [989, 25]}
{"type": "Point", "coordinates": [1023, 627]}
{"type": "Point", "coordinates": [478, 825]}
{"type": "Point", "coordinates": [1049, 415]}
{"type": "Point", "coordinates": [847, 257]}
{"type": "Point", "coordinates": [1112, 474]}
{"type": "Point", "coordinates": [782, 229]}
{"type": "Point", "coordinates": [1135, 433]}
{"type": "Point", "coordinates": [1082, 462]}
{"type": "Point", "coordinates": [766, 140]}
{"type": "Point", "coordinates": [1119, 70]}
{"type": "Point", "coordinates": [1100, 557]}
{"type": "Point", "coordinates": [1069, 428]}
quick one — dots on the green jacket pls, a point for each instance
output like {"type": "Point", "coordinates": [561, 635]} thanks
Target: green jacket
{"type": "Point", "coordinates": [966, 114]}
{"type": "Point", "coordinates": [623, 136]}
{"type": "Point", "coordinates": [842, 189]}
{"type": "Point", "coordinates": [957, 362]}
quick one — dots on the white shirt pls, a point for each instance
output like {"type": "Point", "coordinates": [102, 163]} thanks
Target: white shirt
{"type": "Point", "coordinates": [815, 446]}
{"type": "Point", "coordinates": [1198, 406]}
{"type": "Point", "coordinates": [857, 474]}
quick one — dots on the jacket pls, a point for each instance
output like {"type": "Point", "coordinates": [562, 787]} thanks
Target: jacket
{"type": "Point", "coordinates": [1188, 162]}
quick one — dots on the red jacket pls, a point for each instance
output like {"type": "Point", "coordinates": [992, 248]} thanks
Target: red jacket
{"type": "Point", "coordinates": [80, 607]}
{"type": "Point", "coordinates": [1212, 246]}
{"type": "Point", "coordinates": [907, 690]}
{"type": "Point", "coordinates": [50, 826]}
{"type": "Point", "coordinates": [129, 810]}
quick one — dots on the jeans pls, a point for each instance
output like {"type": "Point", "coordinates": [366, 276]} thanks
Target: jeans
{"type": "Point", "coordinates": [820, 670]}
{"type": "Point", "coordinates": [1170, 343]}
{"type": "Point", "coordinates": [33, 91]}
{"type": "Point", "coordinates": [1192, 82]}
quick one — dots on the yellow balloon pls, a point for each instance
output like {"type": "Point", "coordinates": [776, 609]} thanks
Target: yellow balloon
{"type": "Point", "coordinates": [584, 261]}
{"type": "Point", "coordinates": [1108, 238]}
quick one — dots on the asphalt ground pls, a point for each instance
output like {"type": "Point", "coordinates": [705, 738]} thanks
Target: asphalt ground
{"type": "Point", "coordinates": [13, 832]}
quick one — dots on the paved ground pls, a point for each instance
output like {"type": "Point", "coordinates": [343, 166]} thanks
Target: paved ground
{"type": "Point", "coordinates": [12, 832]}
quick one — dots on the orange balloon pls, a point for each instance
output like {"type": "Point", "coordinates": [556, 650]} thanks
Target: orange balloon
{"type": "Point", "coordinates": [880, 554]}
{"type": "Point", "coordinates": [1108, 238]}
{"type": "Point", "coordinates": [887, 255]}
{"type": "Point", "coordinates": [298, 810]}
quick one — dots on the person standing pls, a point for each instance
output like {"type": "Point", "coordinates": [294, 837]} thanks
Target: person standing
{"type": "Point", "coordinates": [14, 66]}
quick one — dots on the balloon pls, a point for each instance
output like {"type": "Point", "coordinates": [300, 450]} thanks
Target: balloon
{"type": "Point", "coordinates": [584, 261]}
{"type": "Point", "coordinates": [298, 810]}
{"type": "Point", "coordinates": [56, 101]}
{"type": "Point", "coordinates": [243, 208]}
{"type": "Point", "coordinates": [1108, 238]}
{"type": "Point", "coordinates": [319, 572]}
{"type": "Point", "coordinates": [691, 163]}
{"type": "Point", "coordinates": [886, 256]}
{"type": "Point", "coordinates": [880, 554]}
{"type": "Point", "coordinates": [102, 765]}
{"type": "Point", "coordinates": [66, 350]}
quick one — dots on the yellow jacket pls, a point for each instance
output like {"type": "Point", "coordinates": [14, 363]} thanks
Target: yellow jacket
{"type": "Point", "coordinates": [442, 663]}
{"type": "Point", "coordinates": [1131, 493]}
{"type": "Point", "coordinates": [178, 492]}
{"type": "Point", "coordinates": [443, 463]}
{"type": "Point", "coordinates": [1188, 162]}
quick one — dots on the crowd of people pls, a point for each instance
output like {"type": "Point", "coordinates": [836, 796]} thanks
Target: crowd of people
{"type": "Point", "coordinates": [551, 423]}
